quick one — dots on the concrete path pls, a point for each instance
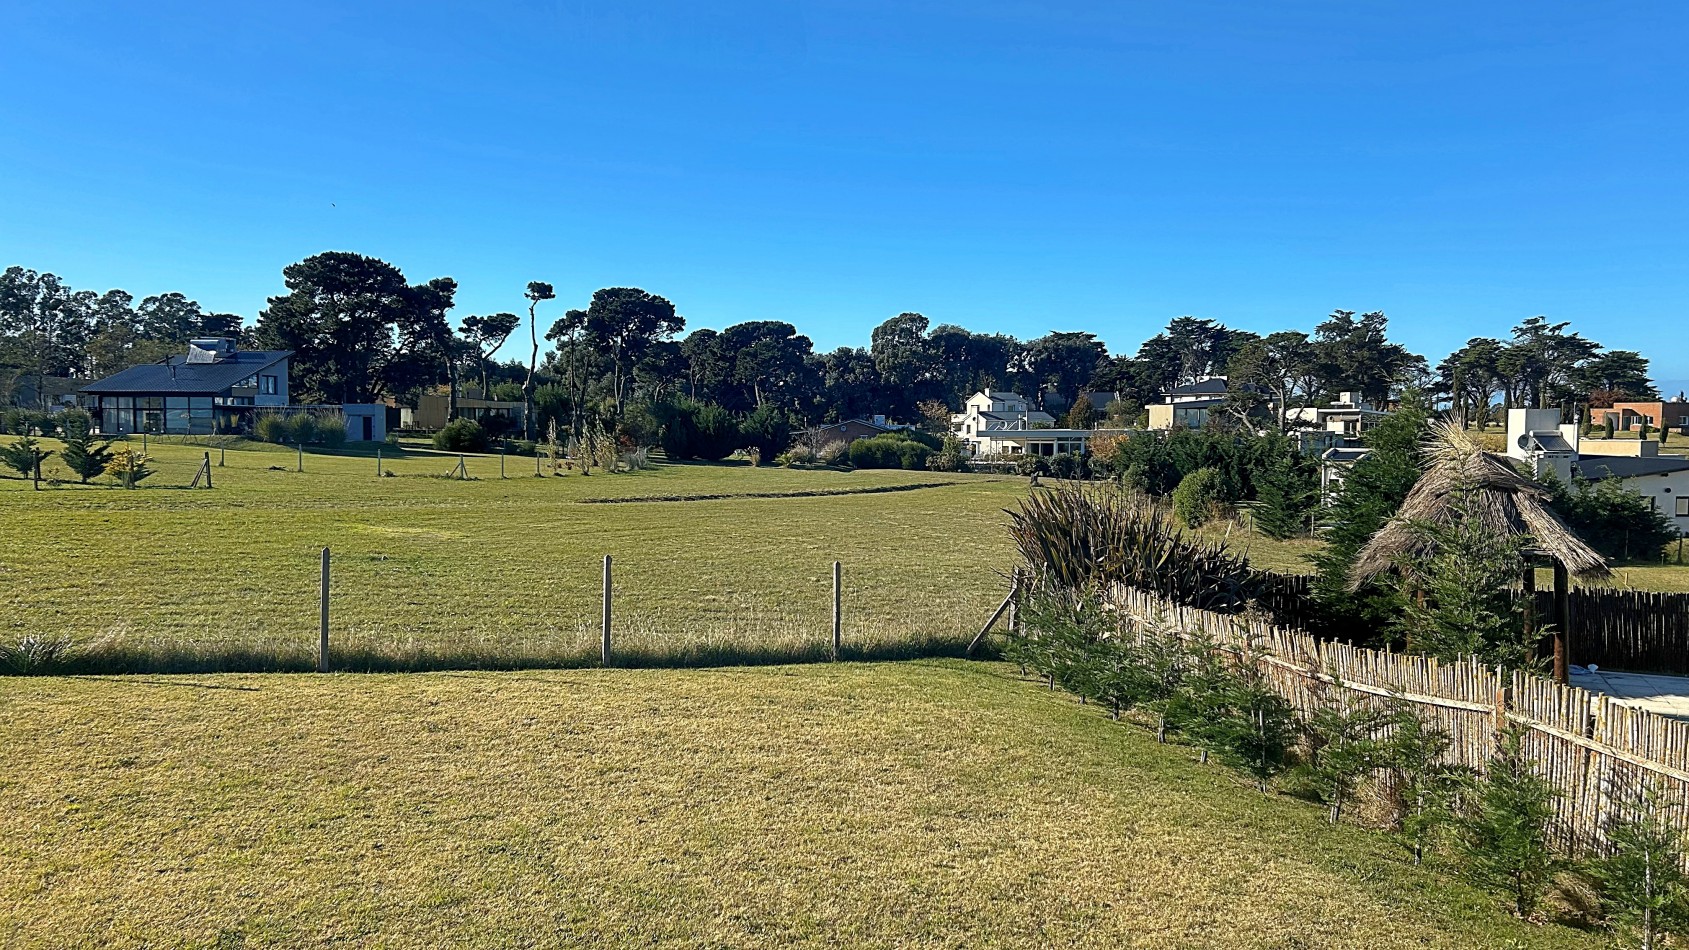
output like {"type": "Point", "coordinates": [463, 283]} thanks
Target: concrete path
{"type": "Point", "coordinates": [1667, 695]}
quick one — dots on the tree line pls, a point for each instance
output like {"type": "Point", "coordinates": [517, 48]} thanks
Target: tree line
{"type": "Point", "coordinates": [362, 332]}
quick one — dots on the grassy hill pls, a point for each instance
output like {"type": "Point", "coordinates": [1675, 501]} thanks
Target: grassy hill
{"type": "Point", "coordinates": [930, 803]}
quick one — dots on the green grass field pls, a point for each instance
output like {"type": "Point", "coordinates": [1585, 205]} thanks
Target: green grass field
{"type": "Point", "coordinates": [437, 572]}
{"type": "Point", "coordinates": [926, 803]}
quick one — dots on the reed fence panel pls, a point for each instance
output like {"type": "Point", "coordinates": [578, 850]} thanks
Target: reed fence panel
{"type": "Point", "coordinates": [1597, 753]}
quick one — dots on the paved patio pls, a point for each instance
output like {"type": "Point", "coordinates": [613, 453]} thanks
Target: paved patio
{"type": "Point", "coordinates": [1667, 695]}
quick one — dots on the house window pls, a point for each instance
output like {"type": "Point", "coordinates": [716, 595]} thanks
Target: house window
{"type": "Point", "coordinates": [1683, 507]}
{"type": "Point", "coordinates": [267, 385]}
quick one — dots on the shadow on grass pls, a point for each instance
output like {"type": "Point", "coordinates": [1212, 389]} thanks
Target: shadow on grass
{"type": "Point", "coordinates": [108, 659]}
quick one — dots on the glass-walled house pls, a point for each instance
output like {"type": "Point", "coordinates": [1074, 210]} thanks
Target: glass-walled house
{"type": "Point", "coordinates": [212, 389]}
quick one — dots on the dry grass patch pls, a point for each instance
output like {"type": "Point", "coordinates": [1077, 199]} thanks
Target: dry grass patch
{"type": "Point", "coordinates": [933, 803]}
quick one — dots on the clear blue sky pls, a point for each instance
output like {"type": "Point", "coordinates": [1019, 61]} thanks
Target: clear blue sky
{"type": "Point", "coordinates": [1016, 167]}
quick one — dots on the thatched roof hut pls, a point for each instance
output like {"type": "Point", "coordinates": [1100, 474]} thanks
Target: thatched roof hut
{"type": "Point", "coordinates": [1507, 501]}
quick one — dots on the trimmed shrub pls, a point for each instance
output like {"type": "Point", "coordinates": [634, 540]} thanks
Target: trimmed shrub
{"type": "Point", "coordinates": [834, 453]}
{"type": "Point", "coordinates": [29, 422]}
{"type": "Point", "coordinates": [461, 435]}
{"type": "Point", "coordinates": [1197, 497]}
{"type": "Point", "coordinates": [891, 450]}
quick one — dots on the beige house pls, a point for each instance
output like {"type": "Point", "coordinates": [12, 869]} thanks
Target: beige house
{"type": "Point", "coordinates": [432, 411]}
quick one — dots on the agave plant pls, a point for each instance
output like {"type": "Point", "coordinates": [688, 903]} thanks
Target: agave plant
{"type": "Point", "coordinates": [1093, 537]}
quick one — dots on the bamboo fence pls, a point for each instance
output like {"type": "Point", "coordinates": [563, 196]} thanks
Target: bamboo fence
{"type": "Point", "coordinates": [1597, 753]}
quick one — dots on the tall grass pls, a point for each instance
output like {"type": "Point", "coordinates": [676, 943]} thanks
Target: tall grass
{"type": "Point", "coordinates": [654, 641]}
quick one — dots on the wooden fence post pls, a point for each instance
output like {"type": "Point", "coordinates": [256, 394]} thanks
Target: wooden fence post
{"type": "Point", "coordinates": [838, 614]}
{"type": "Point", "coordinates": [501, 453]}
{"type": "Point", "coordinates": [1562, 624]}
{"type": "Point", "coordinates": [301, 467]}
{"type": "Point", "coordinates": [207, 469]}
{"type": "Point", "coordinates": [222, 455]}
{"type": "Point", "coordinates": [322, 629]}
{"type": "Point", "coordinates": [605, 651]}
{"type": "Point", "coordinates": [378, 461]}
{"type": "Point", "coordinates": [1503, 699]}
{"type": "Point", "coordinates": [1007, 605]}
{"type": "Point", "coordinates": [1014, 600]}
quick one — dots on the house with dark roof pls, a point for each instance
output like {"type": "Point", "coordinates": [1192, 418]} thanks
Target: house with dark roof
{"type": "Point", "coordinates": [849, 431]}
{"type": "Point", "coordinates": [213, 388]}
{"type": "Point", "coordinates": [1537, 439]}
{"type": "Point", "coordinates": [1188, 406]}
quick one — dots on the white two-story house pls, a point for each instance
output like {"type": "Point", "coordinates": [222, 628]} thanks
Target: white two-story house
{"type": "Point", "coordinates": [994, 422]}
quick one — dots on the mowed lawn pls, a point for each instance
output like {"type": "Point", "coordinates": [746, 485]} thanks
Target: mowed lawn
{"type": "Point", "coordinates": [926, 803]}
{"type": "Point", "coordinates": [433, 571]}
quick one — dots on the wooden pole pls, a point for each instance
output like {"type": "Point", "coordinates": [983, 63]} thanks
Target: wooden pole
{"type": "Point", "coordinates": [301, 457]}
{"type": "Point", "coordinates": [322, 627]}
{"type": "Point", "coordinates": [838, 613]}
{"type": "Point", "coordinates": [222, 455]}
{"type": "Point", "coordinates": [1014, 600]}
{"type": "Point", "coordinates": [1007, 605]}
{"type": "Point", "coordinates": [605, 652]}
{"type": "Point", "coordinates": [501, 453]}
{"type": "Point", "coordinates": [207, 469]}
{"type": "Point", "coordinates": [1562, 624]}
{"type": "Point", "coordinates": [1529, 582]}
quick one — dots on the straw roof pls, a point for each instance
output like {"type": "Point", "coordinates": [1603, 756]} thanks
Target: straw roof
{"type": "Point", "coordinates": [1505, 500]}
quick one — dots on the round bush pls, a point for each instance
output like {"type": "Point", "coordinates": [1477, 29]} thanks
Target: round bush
{"type": "Point", "coordinates": [1197, 497]}
{"type": "Point", "coordinates": [461, 435]}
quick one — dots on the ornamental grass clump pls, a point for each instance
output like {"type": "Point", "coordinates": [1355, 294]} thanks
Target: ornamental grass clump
{"type": "Point", "coordinates": [1095, 537]}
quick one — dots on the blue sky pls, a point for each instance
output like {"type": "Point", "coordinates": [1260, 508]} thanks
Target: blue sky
{"type": "Point", "coordinates": [1015, 167]}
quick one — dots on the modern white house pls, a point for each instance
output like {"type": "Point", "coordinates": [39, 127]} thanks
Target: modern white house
{"type": "Point", "coordinates": [1348, 415]}
{"type": "Point", "coordinates": [994, 422]}
{"type": "Point", "coordinates": [1538, 439]}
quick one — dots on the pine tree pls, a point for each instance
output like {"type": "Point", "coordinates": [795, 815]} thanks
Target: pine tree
{"type": "Point", "coordinates": [1642, 877]}
{"type": "Point", "coordinates": [24, 456]}
{"type": "Point", "coordinates": [1458, 602]}
{"type": "Point", "coordinates": [1505, 836]}
{"type": "Point", "coordinates": [1343, 746]}
{"type": "Point", "coordinates": [82, 454]}
{"type": "Point", "coordinates": [1372, 492]}
{"type": "Point", "coordinates": [1427, 787]}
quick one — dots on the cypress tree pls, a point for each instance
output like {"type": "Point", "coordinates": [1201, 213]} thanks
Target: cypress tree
{"type": "Point", "coordinates": [1285, 493]}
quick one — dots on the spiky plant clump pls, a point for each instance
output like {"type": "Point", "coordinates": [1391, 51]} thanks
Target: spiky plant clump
{"type": "Point", "coordinates": [1096, 537]}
